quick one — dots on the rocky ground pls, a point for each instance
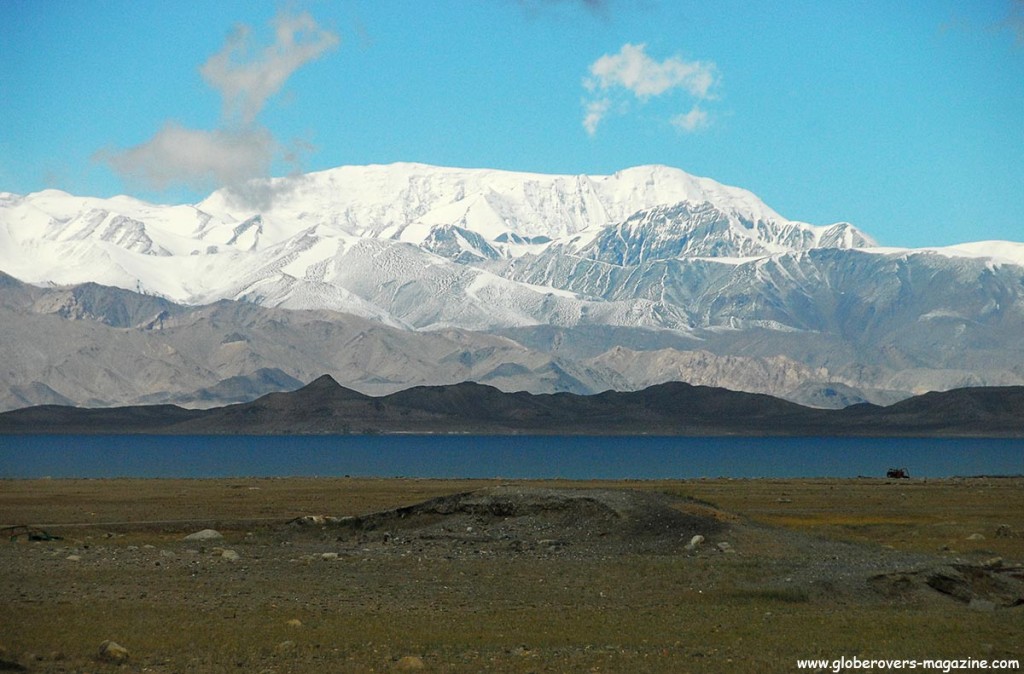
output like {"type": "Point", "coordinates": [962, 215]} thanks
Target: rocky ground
{"type": "Point", "coordinates": [497, 577]}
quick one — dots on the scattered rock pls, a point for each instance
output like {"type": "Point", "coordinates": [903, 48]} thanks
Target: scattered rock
{"type": "Point", "coordinates": [725, 547]}
{"type": "Point", "coordinates": [205, 535]}
{"type": "Point", "coordinates": [976, 537]}
{"type": "Point", "coordinates": [329, 556]}
{"type": "Point", "coordinates": [695, 542]}
{"type": "Point", "coordinates": [294, 622]}
{"type": "Point", "coordinates": [111, 651]}
{"type": "Point", "coordinates": [410, 663]}
{"type": "Point", "coordinates": [317, 520]}
{"type": "Point", "coordinates": [226, 553]}
{"type": "Point", "coordinates": [74, 558]}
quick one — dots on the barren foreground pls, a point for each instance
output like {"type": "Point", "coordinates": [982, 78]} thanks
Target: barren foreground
{"type": "Point", "coordinates": [318, 575]}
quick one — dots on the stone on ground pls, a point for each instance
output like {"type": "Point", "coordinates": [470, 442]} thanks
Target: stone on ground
{"type": "Point", "coordinates": [111, 651]}
{"type": "Point", "coordinates": [410, 663]}
{"type": "Point", "coordinates": [205, 535]}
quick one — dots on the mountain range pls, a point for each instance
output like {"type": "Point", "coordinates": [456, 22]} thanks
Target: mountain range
{"type": "Point", "coordinates": [674, 408]}
{"type": "Point", "coordinates": [388, 277]}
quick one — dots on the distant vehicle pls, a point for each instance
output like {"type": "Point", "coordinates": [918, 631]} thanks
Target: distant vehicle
{"type": "Point", "coordinates": [899, 473]}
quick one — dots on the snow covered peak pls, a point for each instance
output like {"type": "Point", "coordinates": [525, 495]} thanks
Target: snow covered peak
{"type": "Point", "coordinates": [406, 201]}
{"type": "Point", "coordinates": [657, 184]}
{"type": "Point", "coordinates": [407, 244]}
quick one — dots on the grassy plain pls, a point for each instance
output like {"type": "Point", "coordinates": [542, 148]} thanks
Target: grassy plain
{"type": "Point", "coordinates": [284, 606]}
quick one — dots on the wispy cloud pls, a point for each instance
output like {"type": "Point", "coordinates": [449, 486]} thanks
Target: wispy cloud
{"type": "Point", "coordinates": [196, 158]}
{"type": "Point", "coordinates": [694, 120]}
{"type": "Point", "coordinates": [634, 70]}
{"type": "Point", "coordinates": [247, 77]}
{"type": "Point", "coordinates": [596, 110]}
{"type": "Point", "coordinates": [635, 75]}
{"type": "Point", "coordinates": [240, 150]}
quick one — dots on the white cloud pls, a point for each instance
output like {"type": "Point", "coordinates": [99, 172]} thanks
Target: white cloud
{"type": "Point", "coordinates": [246, 80]}
{"type": "Point", "coordinates": [631, 72]}
{"type": "Point", "coordinates": [694, 120]}
{"type": "Point", "coordinates": [195, 158]}
{"type": "Point", "coordinates": [596, 110]}
{"type": "Point", "coordinates": [634, 70]}
{"type": "Point", "coordinates": [240, 151]}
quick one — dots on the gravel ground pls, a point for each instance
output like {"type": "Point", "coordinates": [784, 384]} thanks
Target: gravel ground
{"type": "Point", "coordinates": [519, 565]}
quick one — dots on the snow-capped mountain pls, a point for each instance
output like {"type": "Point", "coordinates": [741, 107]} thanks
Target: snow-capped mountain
{"type": "Point", "coordinates": [404, 201]}
{"type": "Point", "coordinates": [649, 258]}
{"type": "Point", "coordinates": [388, 242]}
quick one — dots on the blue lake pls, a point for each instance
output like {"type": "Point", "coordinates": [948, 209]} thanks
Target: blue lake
{"type": "Point", "coordinates": [87, 456]}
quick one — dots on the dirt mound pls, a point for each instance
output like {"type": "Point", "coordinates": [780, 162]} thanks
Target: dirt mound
{"type": "Point", "coordinates": [520, 518]}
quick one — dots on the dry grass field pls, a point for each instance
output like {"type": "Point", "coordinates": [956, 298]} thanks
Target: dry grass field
{"type": "Point", "coordinates": [789, 569]}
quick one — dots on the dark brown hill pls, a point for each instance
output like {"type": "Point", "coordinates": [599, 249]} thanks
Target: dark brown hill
{"type": "Point", "coordinates": [325, 407]}
{"type": "Point", "coordinates": [991, 410]}
{"type": "Point", "coordinates": [65, 419]}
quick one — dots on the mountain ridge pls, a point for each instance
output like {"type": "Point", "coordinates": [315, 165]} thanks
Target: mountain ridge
{"type": "Point", "coordinates": [458, 214]}
{"type": "Point", "coordinates": [231, 351]}
{"type": "Point", "coordinates": [674, 408]}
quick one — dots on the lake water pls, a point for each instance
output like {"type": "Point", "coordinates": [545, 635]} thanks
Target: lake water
{"type": "Point", "coordinates": [87, 456]}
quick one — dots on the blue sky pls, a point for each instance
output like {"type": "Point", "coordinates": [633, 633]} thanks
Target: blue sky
{"type": "Point", "coordinates": [905, 118]}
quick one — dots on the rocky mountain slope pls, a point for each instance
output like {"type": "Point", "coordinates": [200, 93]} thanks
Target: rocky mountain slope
{"type": "Point", "coordinates": [76, 345]}
{"type": "Point", "coordinates": [526, 281]}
